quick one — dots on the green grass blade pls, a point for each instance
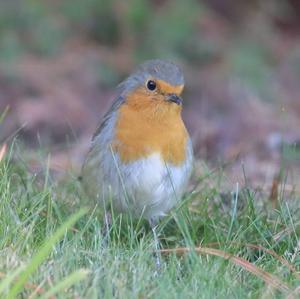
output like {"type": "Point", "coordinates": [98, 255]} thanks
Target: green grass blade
{"type": "Point", "coordinates": [234, 212]}
{"type": "Point", "coordinates": [3, 114]}
{"type": "Point", "coordinates": [68, 281]}
{"type": "Point", "coordinates": [42, 254]}
{"type": "Point", "coordinates": [5, 284]}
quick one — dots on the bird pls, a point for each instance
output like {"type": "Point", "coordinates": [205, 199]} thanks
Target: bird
{"type": "Point", "coordinates": [141, 156]}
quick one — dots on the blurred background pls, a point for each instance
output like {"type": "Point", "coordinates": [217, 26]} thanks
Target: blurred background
{"type": "Point", "coordinates": [60, 61]}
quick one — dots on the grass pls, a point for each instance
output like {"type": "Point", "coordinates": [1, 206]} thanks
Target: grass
{"type": "Point", "coordinates": [51, 247]}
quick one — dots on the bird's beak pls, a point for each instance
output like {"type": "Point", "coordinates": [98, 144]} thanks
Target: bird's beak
{"type": "Point", "coordinates": [172, 97]}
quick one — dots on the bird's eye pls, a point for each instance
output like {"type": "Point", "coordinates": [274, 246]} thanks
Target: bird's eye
{"type": "Point", "coordinates": [151, 85]}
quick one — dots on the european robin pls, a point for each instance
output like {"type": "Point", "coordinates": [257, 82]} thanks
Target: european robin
{"type": "Point", "coordinates": [141, 155]}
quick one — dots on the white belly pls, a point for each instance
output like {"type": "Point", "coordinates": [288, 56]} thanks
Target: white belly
{"type": "Point", "coordinates": [149, 187]}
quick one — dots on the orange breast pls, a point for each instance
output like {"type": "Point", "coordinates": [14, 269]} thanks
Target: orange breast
{"type": "Point", "coordinates": [147, 125]}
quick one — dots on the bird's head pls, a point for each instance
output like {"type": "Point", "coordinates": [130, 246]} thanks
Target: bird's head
{"type": "Point", "coordinates": [156, 86]}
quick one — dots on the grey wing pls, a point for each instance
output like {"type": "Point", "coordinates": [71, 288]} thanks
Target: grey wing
{"type": "Point", "coordinates": [91, 173]}
{"type": "Point", "coordinates": [114, 107]}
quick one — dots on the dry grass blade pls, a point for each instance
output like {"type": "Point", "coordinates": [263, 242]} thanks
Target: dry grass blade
{"type": "Point", "coordinates": [269, 251]}
{"type": "Point", "coordinates": [294, 293]}
{"type": "Point", "coordinates": [274, 191]}
{"type": "Point", "coordinates": [267, 277]}
{"type": "Point", "coordinates": [30, 286]}
{"type": "Point", "coordinates": [286, 231]}
{"type": "Point", "coordinates": [3, 151]}
{"type": "Point", "coordinates": [278, 257]}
